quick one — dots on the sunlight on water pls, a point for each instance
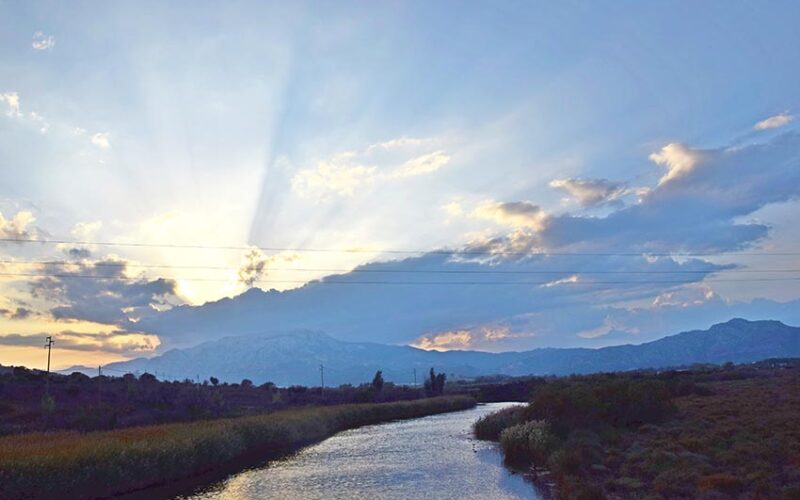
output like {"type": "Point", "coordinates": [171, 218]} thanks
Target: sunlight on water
{"type": "Point", "coordinates": [431, 457]}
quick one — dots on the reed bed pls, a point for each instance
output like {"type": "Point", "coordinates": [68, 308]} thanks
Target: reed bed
{"type": "Point", "coordinates": [98, 464]}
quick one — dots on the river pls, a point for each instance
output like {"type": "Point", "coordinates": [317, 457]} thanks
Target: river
{"type": "Point", "coordinates": [429, 457]}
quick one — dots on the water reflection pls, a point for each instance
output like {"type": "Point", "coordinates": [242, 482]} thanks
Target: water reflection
{"type": "Point", "coordinates": [431, 457]}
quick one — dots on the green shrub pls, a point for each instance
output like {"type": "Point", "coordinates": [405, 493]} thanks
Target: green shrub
{"type": "Point", "coordinates": [601, 401]}
{"type": "Point", "coordinates": [531, 442]}
{"type": "Point", "coordinates": [490, 426]}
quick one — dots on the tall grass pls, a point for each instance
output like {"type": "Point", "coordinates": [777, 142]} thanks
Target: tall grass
{"type": "Point", "coordinates": [490, 426]}
{"type": "Point", "coordinates": [530, 442]}
{"type": "Point", "coordinates": [72, 464]}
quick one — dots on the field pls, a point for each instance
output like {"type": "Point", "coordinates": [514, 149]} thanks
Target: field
{"type": "Point", "coordinates": [31, 401]}
{"type": "Point", "coordinates": [728, 432]}
{"type": "Point", "coordinates": [73, 464]}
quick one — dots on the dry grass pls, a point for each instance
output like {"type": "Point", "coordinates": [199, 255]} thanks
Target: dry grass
{"type": "Point", "coordinates": [72, 464]}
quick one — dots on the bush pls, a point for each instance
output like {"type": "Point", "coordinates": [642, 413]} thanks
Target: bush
{"type": "Point", "coordinates": [601, 401]}
{"type": "Point", "coordinates": [490, 426]}
{"type": "Point", "coordinates": [531, 442]}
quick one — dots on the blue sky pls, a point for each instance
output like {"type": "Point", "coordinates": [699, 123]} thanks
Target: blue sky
{"type": "Point", "coordinates": [400, 125]}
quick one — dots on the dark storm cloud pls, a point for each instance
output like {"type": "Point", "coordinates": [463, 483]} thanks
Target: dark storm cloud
{"type": "Point", "coordinates": [101, 291]}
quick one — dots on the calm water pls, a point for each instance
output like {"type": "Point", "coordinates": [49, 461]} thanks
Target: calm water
{"type": "Point", "coordinates": [431, 457]}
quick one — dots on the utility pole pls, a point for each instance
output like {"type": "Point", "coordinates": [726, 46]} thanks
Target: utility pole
{"type": "Point", "coordinates": [322, 377]}
{"type": "Point", "coordinates": [415, 377]}
{"type": "Point", "coordinates": [48, 344]}
{"type": "Point", "coordinates": [99, 382]}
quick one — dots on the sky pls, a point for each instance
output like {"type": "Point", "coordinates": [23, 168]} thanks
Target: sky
{"type": "Point", "coordinates": [155, 156]}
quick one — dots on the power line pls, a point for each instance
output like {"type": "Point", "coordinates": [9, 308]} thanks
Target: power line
{"type": "Point", "coordinates": [391, 271]}
{"type": "Point", "coordinates": [388, 282]}
{"type": "Point", "coordinates": [390, 251]}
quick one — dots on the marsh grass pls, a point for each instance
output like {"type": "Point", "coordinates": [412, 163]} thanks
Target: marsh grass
{"type": "Point", "coordinates": [94, 464]}
{"type": "Point", "coordinates": [490, 426]}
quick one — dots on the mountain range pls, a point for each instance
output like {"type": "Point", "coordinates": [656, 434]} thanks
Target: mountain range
{"type": "Point", "coordinates": [295, 357]}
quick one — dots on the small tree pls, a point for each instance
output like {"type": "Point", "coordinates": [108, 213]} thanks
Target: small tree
{"type": "Point", "coordinates": [377, 381]}
{"type": "Point", "coordinates": [214, 381]}
{"type": "Point", "coordinates": [434, 385]}
{"type": "Point", "coordinates": [247, 383]}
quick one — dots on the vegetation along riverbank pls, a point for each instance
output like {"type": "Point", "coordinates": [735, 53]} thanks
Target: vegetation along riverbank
{"type": "Point", "coordinates": [96, 464]}
{"type": "Point", "coordinates": [707, 432]}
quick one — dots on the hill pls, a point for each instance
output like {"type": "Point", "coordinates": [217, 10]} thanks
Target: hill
{"type": "Point", "coordinates": [295, 357]}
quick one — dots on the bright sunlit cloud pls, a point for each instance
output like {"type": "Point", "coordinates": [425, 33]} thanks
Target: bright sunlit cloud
{"type": "Point", "coordinates": [776, 121]}
{"type": "Point", "coordinates": [42, 41]}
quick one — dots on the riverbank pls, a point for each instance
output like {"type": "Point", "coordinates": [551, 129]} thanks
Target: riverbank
{"type": "Point", "coordinates": [98, 464]}
{"type": "Point", "coordinates": [672, 434]}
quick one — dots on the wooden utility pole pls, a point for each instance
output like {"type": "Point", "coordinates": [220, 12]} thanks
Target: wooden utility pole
{"type": "Point", "coordinates": [99, 383]}
{"type": "Point", "coordinates": [48, 344]}
{"type": "Point", "coordinates": [322, 377]}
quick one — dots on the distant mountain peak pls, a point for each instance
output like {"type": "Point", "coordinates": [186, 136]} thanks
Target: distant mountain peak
{"type": "Point", "coordinates": [742, 322]}
{"type": "Point", "coordinates": [291, 357]}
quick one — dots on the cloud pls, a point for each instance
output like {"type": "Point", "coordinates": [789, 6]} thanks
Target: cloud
{"type": "Point", "coordinates": [86, 230]}
{"type": "Point", "coordinates": [100, 140]}
{"type": "Point", "coordinates": [421, 165]}
{"type": "Point", "coordinates": [686, 297]}
{"type": "Point", "coordinates": [256, 264]}
{"type": "Point", "coordinates": [679, 160]}
{"type": "Point", "coordinates": [592, 192]}
{"type": "Point", "coordinates": [17, 314]}
{"type": "Point", "coordinates": [453, 209]}
{"type": "Point", "coordinates": [776, 121]}
{"type": "Point", "coordinates": [116, 341]}
{"type": "Point", "coordinates": [704, 209]}
{"type": "Point", "coordinates": [16, 228]}
{"type": "Point", "coordinates": [609, 326]}
{"type": "Point", "coordinates": [11, 100]}
{"type": "Point", "coordinates": [42, 41]}
{"type": "Point", "coordinates": [75, 253]}
{"type": "Point", "coordinates": [346, 173]}
{"type": "Point", "coordinates": [102, 291]}
{"type": "Point", "coordinates": [519, 214]}
{"type": "Point", "coordinates": [444, 341]}
{"type": "Point", "coordinates": [477, 295]}
{"type": "Point", "coordinates": [697, 207]}
{"type": "Point", "coordinates": [334, 177]}
{"type": "Point", "coordinates": [83, 232]}
{"type": "Point", "coordinates": [481, 338]}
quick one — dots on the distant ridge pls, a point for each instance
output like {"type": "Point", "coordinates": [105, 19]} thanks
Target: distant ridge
{"type": "Point", "coordinates": [293, 357]}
